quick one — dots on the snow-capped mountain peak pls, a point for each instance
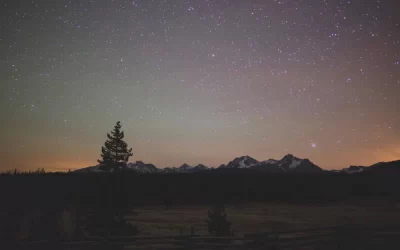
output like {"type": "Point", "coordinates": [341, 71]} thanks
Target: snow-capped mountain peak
{"type": "Point", "coordinates": [142, 167]}
{"type": "Point", "coordinates": [290, 161]}
{"type": "Point", "coordinates": [242, 162]}
{"type": "Point", "coordinates": [270, 161]}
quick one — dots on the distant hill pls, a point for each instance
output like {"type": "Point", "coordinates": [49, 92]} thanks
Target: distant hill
{"type": "Point", "coordinates": [91, 169]}
{"type": "Point", "coordinates": [380, 167]}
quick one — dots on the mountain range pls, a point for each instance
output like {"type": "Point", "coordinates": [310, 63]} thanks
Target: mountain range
{"type": "Point", "coordinates": [288, 164]}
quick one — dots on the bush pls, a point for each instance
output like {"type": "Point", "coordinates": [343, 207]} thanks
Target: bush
{"type": "Point", "coordinates": [218, 224]}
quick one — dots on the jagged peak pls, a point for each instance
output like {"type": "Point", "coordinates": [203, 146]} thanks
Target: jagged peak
{"type": "Point", "coordinates": [185, 165]}
{"type": "Point", "coordinates": [201, 166]}
{"type": "Point", "coordinates": [244, 161]}
{"type": "Point", "coordinates": [244, 157]}
{"type": "Point", "coordinates": [289, 156]}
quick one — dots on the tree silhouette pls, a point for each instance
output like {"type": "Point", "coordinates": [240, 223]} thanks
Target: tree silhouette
{"type": "Point", "coordinates": [115, 152]}
{"type": "Point", "coordinates": [218, 224]}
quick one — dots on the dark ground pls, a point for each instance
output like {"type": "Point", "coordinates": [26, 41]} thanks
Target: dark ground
{"type": "Point", "coordinates": [53, 206]}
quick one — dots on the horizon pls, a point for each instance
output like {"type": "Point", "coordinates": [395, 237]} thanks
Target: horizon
{"type": "Point", "coordinates": [200, 82]}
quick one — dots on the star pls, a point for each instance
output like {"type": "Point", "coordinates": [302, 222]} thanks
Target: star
{"type": "Point", "coordinates": [188, 73]}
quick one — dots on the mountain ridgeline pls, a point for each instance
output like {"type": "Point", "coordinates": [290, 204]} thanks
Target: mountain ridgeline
{"type": "Point", "coordinates": [247, 164]}
{"type": "Point", "coordinates": [391, 167]}
{"type": "Point", "coordinates": [288, 164]}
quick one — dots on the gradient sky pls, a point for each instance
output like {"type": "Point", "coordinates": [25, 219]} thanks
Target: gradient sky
{"type": "Point", "coordinates": [200, 81]}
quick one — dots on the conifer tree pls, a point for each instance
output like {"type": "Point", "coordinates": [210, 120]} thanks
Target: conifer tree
{"type": "Point", "coordinates": [115, 152]}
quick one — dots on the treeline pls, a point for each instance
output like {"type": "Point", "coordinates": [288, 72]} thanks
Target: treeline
{"type": "Point", "coordinates": [39, 171]}
{"type": "Point", "coordinates": [200, 188]}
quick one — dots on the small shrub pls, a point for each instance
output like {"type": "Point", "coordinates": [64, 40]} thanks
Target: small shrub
{"type": "Point", "coordinates": [218, 224]}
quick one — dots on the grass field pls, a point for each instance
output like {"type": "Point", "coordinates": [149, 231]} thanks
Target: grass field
{"type": "Point", "coordinates": [261, 217]}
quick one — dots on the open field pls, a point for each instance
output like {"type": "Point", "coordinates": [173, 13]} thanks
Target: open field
{"type": "Point", "coordinates": [160, 227]}
{"type": "Point", "coordinates": [262, 217]}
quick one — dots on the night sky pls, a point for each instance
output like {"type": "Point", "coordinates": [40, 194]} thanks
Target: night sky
{"type": "Point", "coordinates": [200, 81]}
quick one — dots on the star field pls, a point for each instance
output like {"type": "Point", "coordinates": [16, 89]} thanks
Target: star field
{"type": "Point", "coordinates": [200, 81]}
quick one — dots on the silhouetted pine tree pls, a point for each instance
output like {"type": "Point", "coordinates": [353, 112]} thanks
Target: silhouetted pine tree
{"type": "Point", "coordinates": [218, 224]}
{"type": "Point", "coordinates": [107, 216]}
{"type": "Point", "coordinates": [115, 152]}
